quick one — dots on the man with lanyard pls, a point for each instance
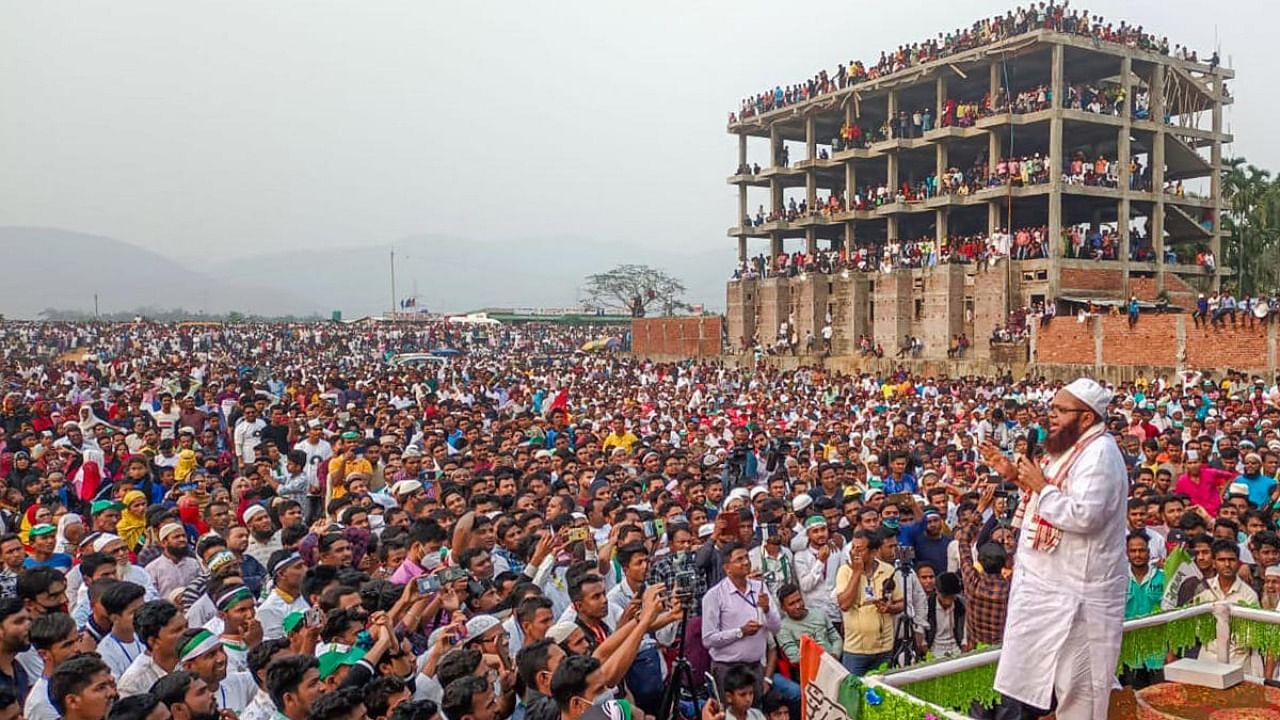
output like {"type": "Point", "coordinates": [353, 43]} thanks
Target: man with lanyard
{"type": "Point", "coordinates": [734, 612]}
{"type": "Point", "coordinates": [286, 569]}
{"type": "Point", "coordinates": [121, 645]}
{"type": "Point", "coordinates": [1066, 608]}
{"type": "Point", "coordinates": [202, 654]}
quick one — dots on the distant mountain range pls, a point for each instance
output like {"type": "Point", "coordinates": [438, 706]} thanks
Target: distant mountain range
{"type": "Point", "coordinates": [52, 268]}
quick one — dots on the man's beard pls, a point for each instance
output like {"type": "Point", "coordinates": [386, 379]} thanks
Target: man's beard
{"type": "Point", "coordinates": [179, 552]}
{"type": "Point", "coordinates": [1269, 601]}
{"type": "Point", "coordinates": [1061, 441]}
{"type": "Point", "coordinates": [263, 535]}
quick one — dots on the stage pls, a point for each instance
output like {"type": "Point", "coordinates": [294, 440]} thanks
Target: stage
{"type": "Point", "coordinates": [952, 689]}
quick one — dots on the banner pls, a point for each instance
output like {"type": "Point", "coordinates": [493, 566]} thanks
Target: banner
{"type": "Point", "coordinates": [827, 690]}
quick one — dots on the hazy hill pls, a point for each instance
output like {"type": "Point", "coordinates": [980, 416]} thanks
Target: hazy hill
{"type": "Point", "coordinates": [454, 274]}
{"type": "Point", "coordinates": [61, 269]}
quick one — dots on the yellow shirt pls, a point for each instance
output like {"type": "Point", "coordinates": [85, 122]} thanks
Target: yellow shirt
{"type": "Point", "coordinates": [867, 631]}
{"type": "Point", "coordinates": [359, 465]}
{"type": "Point", "coordinates": [625, 441]}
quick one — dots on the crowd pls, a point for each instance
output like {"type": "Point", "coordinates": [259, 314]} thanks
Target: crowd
{"type": "Point", "coordinates": [1035, 16]}
{"type": "Point", "coordinates": [1027, 243]}
{"type": "Point", "coordinates": [274, 522]}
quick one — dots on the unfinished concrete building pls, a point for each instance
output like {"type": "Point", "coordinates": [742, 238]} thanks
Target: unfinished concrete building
{"type": "Point", "coordinates": [1161, 125]}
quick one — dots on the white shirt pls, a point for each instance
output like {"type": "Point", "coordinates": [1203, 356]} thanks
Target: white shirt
{"type": "Point", "coordinates": [118, 654]}
{"type": "Point", "coordinates": [320, 452]}
{"type": "Point", "coordinates": [236, 691]}
{"type": "Point", "coordinates": [247, 436]}
{"type": "Point", "coordinates": [37, 705]}
{"type": "Point", "coordinates": [272, 612]}
{"type": "Point", "coordinates": [817, 580]}
{"type": "Point", "coordinates": [143, 672]}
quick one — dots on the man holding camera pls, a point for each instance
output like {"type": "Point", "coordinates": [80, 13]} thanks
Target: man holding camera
{"type": "Point", "coordinates": [869, 597]}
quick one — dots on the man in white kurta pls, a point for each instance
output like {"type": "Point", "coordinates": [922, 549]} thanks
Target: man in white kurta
{"type": "Point", "coordinates": [1066, 607]}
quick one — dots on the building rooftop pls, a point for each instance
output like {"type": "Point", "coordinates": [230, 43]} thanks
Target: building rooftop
{"type": "Point", "coordinates": [1012, 31]}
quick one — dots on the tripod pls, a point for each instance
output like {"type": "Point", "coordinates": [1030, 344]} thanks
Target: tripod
{"type": "Point", "coordinates": [681, 682]}
{"type": "Point", "coordinates": [904, 645]}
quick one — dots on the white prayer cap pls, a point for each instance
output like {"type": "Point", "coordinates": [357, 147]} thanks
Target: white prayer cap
{"type": "Point", "coordinates": [1089, 392]}
{"type": "Point", "coordinates": [1273, 571]}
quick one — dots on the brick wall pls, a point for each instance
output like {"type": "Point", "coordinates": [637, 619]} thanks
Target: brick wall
{"type": "Point", "coordinates": [685, 337]}
{"type": "Point", "coordinates": [1164, 341]}
{"type": "Point", "coordinates": [1064, 341]}
{"type": "Point", "coordinates": [1089, 280]}
{"type": "Point", "coordinates": [1241, 346]}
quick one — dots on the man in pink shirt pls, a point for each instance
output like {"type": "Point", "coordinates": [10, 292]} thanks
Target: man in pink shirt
{"type": "Point", "coordinates": [1203, 484]}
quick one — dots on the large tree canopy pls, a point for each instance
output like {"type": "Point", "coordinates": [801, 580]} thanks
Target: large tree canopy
{"type": "Point", "coordinates": [635, 290]}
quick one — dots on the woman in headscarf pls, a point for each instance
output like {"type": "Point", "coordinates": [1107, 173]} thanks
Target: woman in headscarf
{"type": "Point", "coordinates": [133, 519]}
{"type": "Point", "coordinates": [23, 471]}
{"type": "Point", "coordinates": [70, 531]}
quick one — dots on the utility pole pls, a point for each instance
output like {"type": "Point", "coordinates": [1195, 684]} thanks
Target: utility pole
{"type": "Point", "coordinates": [95, 306]}
{"type": "Point", "coordinates": [393, 283]}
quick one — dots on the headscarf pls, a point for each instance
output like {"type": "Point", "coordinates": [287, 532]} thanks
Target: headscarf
{"type": "Point", "coordinates": [63, 545]}
{"type": "Point", "coordinates": [131, 527]}
{"type": "Point", "coordinates": [186, 465]}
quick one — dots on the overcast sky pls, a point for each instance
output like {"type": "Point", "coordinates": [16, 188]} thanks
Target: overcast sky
{"type": "Point", "coordinates": [241, 127]}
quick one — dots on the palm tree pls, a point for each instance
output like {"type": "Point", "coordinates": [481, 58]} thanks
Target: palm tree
{"type": "Point", "coordinates": [1253, 216]}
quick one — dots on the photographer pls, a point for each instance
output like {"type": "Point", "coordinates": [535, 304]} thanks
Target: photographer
{"type": "Point", "coordinates": [868, 597]}
{"type": "Point", "coordinates": [741, 465]}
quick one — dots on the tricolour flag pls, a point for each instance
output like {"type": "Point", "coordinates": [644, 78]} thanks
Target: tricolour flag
{"type": "Point", "coordinates": [827, 690]}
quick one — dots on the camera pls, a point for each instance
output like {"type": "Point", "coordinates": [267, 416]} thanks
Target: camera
{"type": "Point", "coordinates": [684, 584]}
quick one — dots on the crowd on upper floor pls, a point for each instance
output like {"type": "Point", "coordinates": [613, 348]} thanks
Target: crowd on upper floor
{"type": "Point", "coordinates": [987, 31]}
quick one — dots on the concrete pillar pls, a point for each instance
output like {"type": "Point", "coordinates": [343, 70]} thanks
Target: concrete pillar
{"type": "Point", "coordinates": [941, 100]}
{"type": "Point", "coordinates": [1215, 186]}
{"type": "Point", "coordinates": [743, 210]}
{"type": "Point", "coordinates": [742, 248]}
{"type": "Point", "coordinates": [850, 183]}
{"type": "Point", "coordinates": [1123, 156]}
{"type": "Point", "coordinates": [810, 241]}
{"type": "Point", "coordinates": [993, 84]}
{"type": "Point", "coordinates": [810, 141]}
{"type": "Point", "coordinates": [775, 145]}
{"type": "Point", "coordinates": [1158, 102]}
{"type": "Point", "coordinates": [775, 245]}
{"type": "Point", "coordinates": [849, 240]}
{"type": "Point", "coordinates": [995, 150]}
{"type": "Point", "coordinates": [1157, 175]}
{"type": "Point", "coordinates": [940, 224]}
{"type": "Point", "coordinates": [742, 149]}
{"type": "Point", "coordinates": [892, 101]}
{"type": "Point", "coordinates": [1055, 152]}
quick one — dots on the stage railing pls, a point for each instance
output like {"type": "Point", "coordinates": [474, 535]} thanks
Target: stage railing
{"type": "Point", "coordinates": [894, 682]}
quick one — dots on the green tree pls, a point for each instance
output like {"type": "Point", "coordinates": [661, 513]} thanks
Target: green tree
{"type": "Point", "coordinates": [635, 290]}
{"type": "Point", "coordinates": [1252, 215]}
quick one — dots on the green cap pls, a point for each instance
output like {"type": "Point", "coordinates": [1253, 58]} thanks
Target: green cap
{"type": "Point", "coordinates": [334, 659]}
{"type": "Point", "coordinates": [351, 435]}
{"type": "Point", "coordinates": [42, 529]}
{"type": "Point", "coordinates": [104, 505]}
{"type": "Point", "coordinates": [293, 620]}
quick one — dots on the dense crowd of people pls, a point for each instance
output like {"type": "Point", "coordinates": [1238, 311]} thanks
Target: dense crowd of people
{"type": "Point", "coordinates": [275, 522]}
{"type": "Point", "coordinates": [987, 31]}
